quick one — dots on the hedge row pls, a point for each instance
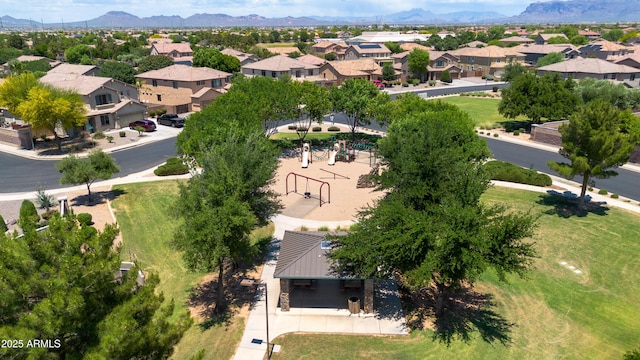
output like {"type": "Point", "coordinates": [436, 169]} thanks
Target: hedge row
{"type": "Point", "coordinates": [326, 143]}
{"type": "Point", "coordinates": [174, 166]}
{"type": "Point", "coordinates": [504, 171]}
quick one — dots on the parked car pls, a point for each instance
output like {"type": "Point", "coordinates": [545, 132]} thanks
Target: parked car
{"type": "Point", "coordinates": [148, 125]}
{"type": "Point", "coordinates": [172, 120]}
{"type": "Point", "coordinates": [379, 84]}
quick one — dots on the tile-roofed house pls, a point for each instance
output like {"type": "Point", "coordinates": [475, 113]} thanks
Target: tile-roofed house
{"type": "Point", "coordinates": [632, 60]}
{"type": "Point", "coordinates": [605, 50]}
{"type": "Point", "coordinates": [489, 60]}
{"type": "Point", "coordinates": [303, 259]}
{"type": "Point", "coordinates": [476, 44]}
{"type": "Point", "coordinates": [379, 52]}
{"type": "Point", "coordinates": [337, 48]}
{"type": "Point", "coordinates": [311, 59]}
{"type": "Point", "coordinates": [590, 35]}
{"type": "Point", "coordinates": [181, 88]}
{"type": "Point", "coordinates": [27, 58]}
{"type": "Point", "coordinates": [278, 65]}
{"type": "Point", "coordinates": [180, 53]}
{"type": "Point", "coordinates": [411, 46]}
{"type": "Point", "coordinates": [517, 40]}
{"type": "Point", "coordinates": [582, 68]}
{"type": "Point", "coordinates": [542, 39]}
{"type": "Point", "coordinates": [110, 104]}
{"type": "Point", "coordinates": [244, 58]}
{"type": "Point", "coordinates": [533, 52]}
{"type": "Point", "coordinates": [339, 71]}
{"type": "Point", "coordinates": [439, 61]}
{"type": "Point", "coordinates": [65, 68]}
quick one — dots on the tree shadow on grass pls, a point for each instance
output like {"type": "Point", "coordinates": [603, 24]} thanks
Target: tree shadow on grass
{"type": "Point", "coordinates": [203, 297]}
{"type": "Point", "coordinates": [97, 198]}
{"type": "Point", "coordinates": [466, 312]}
{"type": "Point", "coordinates": [565, 205]}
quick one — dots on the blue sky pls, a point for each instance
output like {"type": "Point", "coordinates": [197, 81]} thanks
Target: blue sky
{"type": "Point", "coordinates": [76, 10]}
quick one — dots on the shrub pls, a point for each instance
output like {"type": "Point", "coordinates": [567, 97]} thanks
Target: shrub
{"type": "Point", "coordinates": [84, 219]}
{"type": "Point", "coordinates": [122, 133]}
{"type": "Point", "coordinates": [404, 84]}
{"type": "Point", "coordinates": [173, 166]}
{"type": "Point", "coordinates": [152, 113]}
{"type": "Point", "coordinates": [304, 228]}
{"type": "Point", "coordinates": [495, 88]}
{"type": "Point", "coordinates": [415, 82]}
{"type": "Point", "coordinates": [615, 196]}
{"type": "Point", "coordinates": [140, 130]}
{"type": "Point", "coordinates": [481, 133]}
{"type": "Point", "coordinates": [292, 127]}
{"type": "Point", "coordinates": [316, 128]}
{"type": "Point", "coordinates": [110, 139]}
{"type": "Point", "coordinates": [333, 128]}
{"type": "Point", "coordinates": [446, 77]}
{"type": "Point", "coordinates": [98, 135]}
{"type": "Point", "coordinates": [495, 135]}
{"type": "Point", "coordinates": [48, 214]}
{"type": "Point", "coordinates": [323, 228]}
{"type": "Point", "coordinates": [516, 133]}
{"type": "Point", "coordinates": [161, 111]}
{"type": "Point", "coordinates": [28, 214]}
{"type": "Point", "coordinates": [603, 192]}
{"type": "Point", "coordinates": [44, 200]}
{"type": "Point", "coordinates": [3, 225]}
{"type": "Point", "coordinates": [432, 83]}
{"type": "Point", "coordinates": [504, 171]}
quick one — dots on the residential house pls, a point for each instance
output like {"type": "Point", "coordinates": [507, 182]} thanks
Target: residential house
{"type": "Point", "coordinates": [244, 58]}
{"type": "Point", "coordinates": [88, 70]}
{"type": "Point", "coordinates": [379, 52]}
{"type": "Point", "coordinates": [180, 53]}
{"type": "Point", "coordinates": [411, 46]}
{"type": "Point", "coordinates": [632, 60]}
{"type": "Point", "coordinates": [381, 37]}
{"type": "Point", "coordinates": [605, 50]}
{"type": "Point", "coordinates": [339, 71]}
{"type": "Point", "coordinates": [400, 64]}
{"type": "Point", "coordinates": [181, 88]}
{"type": "Point", "coordinates": [110, 104]}
{"type": "Point", "coordinates": [518, 40]}
{"type": "Point", "coordinates": [533, 52]}
{"type": "Point", "coordinates": [278, 65]}
{"type": "Point", "coordinates": [337, 48]}
{"type": "Point", "coordinates": [476, 44]}
{"type": "Point", "coordinates": [590, 35]}
{"type": "Point", "coordinates": [439, 61]}
{"type": "Point", "coordinates": [582, 68]}
{"type": "Point", "coordinates": [489, 60]}
{"type": "Point", "coordinates": [542, 39]}
{"type": "Point", "coordinates": [311, 59]}
{"type": "Point", "coordinates": [27, 58]}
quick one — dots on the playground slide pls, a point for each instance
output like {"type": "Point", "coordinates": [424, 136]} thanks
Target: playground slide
{"type": "Point", "coordinates": [305, 155]}
{"type": "Point", "coordinates": [334, 152]}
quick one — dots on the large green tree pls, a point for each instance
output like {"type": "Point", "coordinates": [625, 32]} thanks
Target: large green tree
{"type": "Point", "coordinates": [58, 285]}
{"type": "Point", "coordinates": [15, 89]}
{"type": "Point", "coordinates": [223, 203]}
{"type": "Point", "coordinates": [417, 62]}
{"type": "Point", "coordinates": [361, 102]}
{"type": "Point", "coordinates": [154, 62]}
{"type": "Point", "coordinates": [551, 58]}
{"type": "Point", "coordinates": [119, 71]}
{"type": "Point", "coordinates": [548, 97]}
{"type": "Point", "coordinates": [313, 104]}
{"type": "Point", "coordinates": [430, 226]}
{"type": "Point", "coordinates": [75, 170]}
{"type": "Point", "coordinates": [214, 59]}
{"type": "Point", "coordinates": [512, 70]}
{"type": "Point", "coordinates": [597, 139]}
{"type": "Point", "coordinates": [617, 94]}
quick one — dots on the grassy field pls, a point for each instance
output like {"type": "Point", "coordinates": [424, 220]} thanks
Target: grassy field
{"type": "Point", "coordinates": [556, 313]}
{"type": "Point", "coordinates": [142, 211]}
{"type": "Point", "coordinates": [483, 111]}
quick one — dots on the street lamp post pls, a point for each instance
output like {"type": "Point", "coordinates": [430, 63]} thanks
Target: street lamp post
{"type": "Point", "coordinates": [250, 282]}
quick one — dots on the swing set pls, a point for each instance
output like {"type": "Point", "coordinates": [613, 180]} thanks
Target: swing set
{"type": "Point", "coordinates": [307, 193]}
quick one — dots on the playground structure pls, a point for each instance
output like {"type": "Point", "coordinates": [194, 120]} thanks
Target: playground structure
{"type": "Point", "coordinates": [334, 152]}
{"type": "Point", "coordinates": [307, 193]}
{"type": "Point", "coordinates": [335, 174]}
{"type": "Point", "coordinates": [306, 155]}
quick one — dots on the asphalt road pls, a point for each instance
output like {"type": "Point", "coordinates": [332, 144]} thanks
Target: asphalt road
{"type": "Point", "coordinates": [19, 174]}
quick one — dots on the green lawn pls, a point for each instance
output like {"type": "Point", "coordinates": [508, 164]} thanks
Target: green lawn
{"type": "Point", "coordinates": [556, 312]}
{"type": "Point", "coordinates": [310, 136]}
{"type": "Point", "coordinates": [483, 111]}
{"type": "Point", "coordinates": [142, 214]}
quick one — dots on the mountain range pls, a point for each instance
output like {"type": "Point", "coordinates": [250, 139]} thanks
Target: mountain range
{"type": "Point", "coordinates": [556, 11]}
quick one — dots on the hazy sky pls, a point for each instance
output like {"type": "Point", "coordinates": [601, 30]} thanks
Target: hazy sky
{"type": "Point", "coordinates": [51, 11]}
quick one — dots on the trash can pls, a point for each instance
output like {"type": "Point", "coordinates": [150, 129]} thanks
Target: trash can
{"type": "Point", "coordinates": [354, 305]}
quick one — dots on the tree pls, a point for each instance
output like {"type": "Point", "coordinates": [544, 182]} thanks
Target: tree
{"type": "Point", "coordinates": [15, 89]}
{"type": "Point", "coordinates": [446, 77]}
{"type": "Point", "coordinates": [224, 201]}
{"type": "Point", "coordinates": [75, 170]}
{"type": "Point", "coordinates": [578, 40]}
{"type": "Point", "coordinates": [388, 72]}
{"type": "Point", "coordinates": [538, 97]}
{"type": "Point", "coordinates": [394, 47]}
{"type": "Point", "coordinates": [551, 58]}
{"type": "Point", "coordinates": [313, 105]}
{"type": "Point", "coordinates": [512, 70]}
{"type": "Point", "coordinates": [58, 284]}
{"type": "Point", "coordinates": [3, 225]}
{"type": "Point", "coordinates": [28, 215]}
{"type": "Point", "coordinates": [214, 59]}
{"type": "Point", "coordinates": [75, 54]}
{"type": "Point", "coordinates": [51, 109]}
{"type": "Point", "coordinates": [417, 62]}
{"type": "Point", "coordinates": [119, 71]}
{"type": "Point", "coordinates": [430, 226]}
{"type": "Point", "coordinates": [360, 101]}
{"type": "Point", "coordinates": [617, 94]}
{"type": "Point", "coordinates": [154, 62]}
{"type": "Point", "coordinates": [558, 40]}
{"type": "Point", "coordinates": [597, 138]}
{"type": "Point", "coordinates": [330, 56]}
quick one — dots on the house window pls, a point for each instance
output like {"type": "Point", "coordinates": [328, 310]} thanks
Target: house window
{"type": "Point", "coordinates": [273, 74]}
{"type": "Point", "coordinates": [472, 59]}
{"type": "Point", "coordinates": [264, 73]}
{"type": "Point", "coordinates": [154, 83]}
{"type": "Point", "coordinates": [606, 76]}
{"type": "Point", "coordinates": [159, 97]}
{"type": "Point", "coordinates": [104, 120]}
{"type": "Point", "coordinates": [498, 60]}
{"type": "Point", "coordinates": [633, 77]}
{"type": "Point", "coordinates": [439, 63]}
{"type": "Point", "coordinates": [175, 84]}
{"type": "Point", "coordinates": [103, 99]}
{"type": "Point", "coordinates": [297, 73]}
{"type": "Point", "coordinates": [200, 82]}
{"type": "Point", "coordinates": [310, 73]}
{"type": "Point", "coordinates": [216, 83]}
